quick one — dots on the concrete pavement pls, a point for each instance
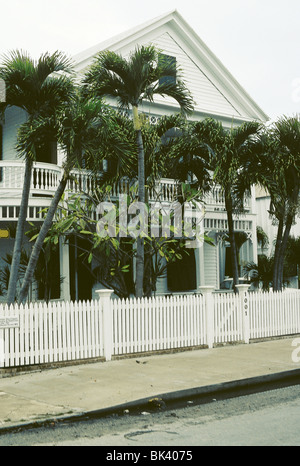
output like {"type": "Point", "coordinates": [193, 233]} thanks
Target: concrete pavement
{"type": "Point", "coordinates": [73, 392]}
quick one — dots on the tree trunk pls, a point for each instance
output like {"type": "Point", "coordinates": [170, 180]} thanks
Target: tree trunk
{"type": "Point", "coordinates": [140, 253]}
{"type": "Point", "coordinates": [288, 226]}
{"type": "Point", "coordinates": [284, 235]}
{"type": "Point", "coordinates": [41, 238]}
{"type": "Point", "coordinates": [14, 271]}
{"type": "Point", "coordinates": [233, 251]}
{"type": "Point", "coordinates": [282, 252]}
{"type": "Point", "coordinates": [276, 285]}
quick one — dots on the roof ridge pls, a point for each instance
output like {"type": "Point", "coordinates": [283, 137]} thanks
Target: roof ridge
{"type": "Point", "coordinates": [118, 37]}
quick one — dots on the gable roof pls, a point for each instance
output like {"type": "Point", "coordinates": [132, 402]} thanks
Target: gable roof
{"type": "Point", "coordinates": [216, 92]}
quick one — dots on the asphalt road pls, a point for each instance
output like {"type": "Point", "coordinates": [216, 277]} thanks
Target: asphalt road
{"type": "Point", "coordinates": [271, 418]}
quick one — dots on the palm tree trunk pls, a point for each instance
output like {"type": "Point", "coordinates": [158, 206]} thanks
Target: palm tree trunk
{"type": "Point", "coordinates": [41, 238]}
{"type": "Point", "coordinates": [233, 249]}
{"type": "Point", "coordinates": [288, 226]}
{"type": "Point", "coordinates": [14, 272]}
{"type": "Point", "coordinates": [276, 286]}
{"type": "Point", "coordinates": [140, 252]}
{"type": "Point", "coordinates": [284, 234]}
{"type": "Point", "coordinates": [282, 252]}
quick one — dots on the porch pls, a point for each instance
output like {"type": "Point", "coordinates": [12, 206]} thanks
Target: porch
{"type": "Point", "coordinates": [46, 178]}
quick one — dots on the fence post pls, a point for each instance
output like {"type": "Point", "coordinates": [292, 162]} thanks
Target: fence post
{"type": "Point", "coordinates": [105, 301]}
{"type": "Point", "coordinates": [244, 300]}
{"type": "Point", "coordinates": [206, 291]}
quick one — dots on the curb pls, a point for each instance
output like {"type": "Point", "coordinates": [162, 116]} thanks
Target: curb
{"type": "Point", "coordinates": [172, 400]}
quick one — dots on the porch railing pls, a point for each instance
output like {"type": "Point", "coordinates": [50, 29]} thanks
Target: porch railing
{"type": "Point", "coordinates": [46, 178]}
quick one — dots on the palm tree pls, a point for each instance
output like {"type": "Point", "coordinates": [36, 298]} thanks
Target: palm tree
{"type": "Point", "coordinates": [213, 154]}
{"type": "Point", "coordinates": [292, 258]}
{"type": "Point", "coordinates": [233, 174]}
{"type": "Point", "coordinates": [140, 77]}
{"type": "Point", "coordinates": [191, 156]}
{"type": "Point", "coordinates": [39, 89]}
{"type": "Point", "coordinates": [278, 172]}
{"type": "Point", "coordinates": [87, 132]}
{"type": "Point", "coordinates": [285, 186]}
{"type": "Point", "coordinates": [261, 274]}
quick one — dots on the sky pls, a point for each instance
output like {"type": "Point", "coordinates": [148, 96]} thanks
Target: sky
{"type": "Point", "coordinates": [258, 41]}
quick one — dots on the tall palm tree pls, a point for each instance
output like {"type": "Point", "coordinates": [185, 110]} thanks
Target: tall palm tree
{"type": "Point", "coordinates": [232, 173]}
{"type": "Point", "coordinates": [140, 77]}
{"type": "Point", "coordinates": [284, 186]}
{"type": "Point", "coordinates": [191, 156]}
{"type": "Point", "coordinates": [37, 87]}
{"type": "Point", "coordinates": [87, 131]}
{"type": "Point", "coordinates": [213, 154]}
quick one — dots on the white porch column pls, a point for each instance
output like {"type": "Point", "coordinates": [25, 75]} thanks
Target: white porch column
{"type": "Point", "coordinates": [105, 302]}
{"type": "Point", "coordinates": [206, 291]}
{"type": "Point", "coordinates": [201, 266]}
{"type": "Point", "coordinates": [198, 265]}
{"type": "Point", "coordinates": [64, 264]}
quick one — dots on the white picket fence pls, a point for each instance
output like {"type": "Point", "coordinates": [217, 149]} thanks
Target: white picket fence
{"type": "Point", "coordinates": [43, 334]}
{"type": "Point", "coordinates": [156, 324]}
{"type": "Point", "coordinates": [51, 333]}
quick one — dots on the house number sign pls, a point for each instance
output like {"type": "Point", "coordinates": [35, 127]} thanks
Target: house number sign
{"type": "Point", "coordinates": [9, 322]}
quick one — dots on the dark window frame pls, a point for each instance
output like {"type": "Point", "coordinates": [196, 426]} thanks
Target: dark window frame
{"type": "Point", "coordinates": [170, 59]}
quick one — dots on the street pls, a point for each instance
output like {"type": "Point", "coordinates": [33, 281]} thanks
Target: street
{"type": "Point", "coordinates": [271, 418]}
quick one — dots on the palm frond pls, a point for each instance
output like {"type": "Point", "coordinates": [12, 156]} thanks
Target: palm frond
{"type": "Point", "coordinates": [33, 85]}
{"type": "Point", "coordinates": [135, 79]}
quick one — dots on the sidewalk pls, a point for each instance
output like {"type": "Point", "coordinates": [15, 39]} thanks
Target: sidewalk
{"type": "Point", "coordinates": [98, 388]}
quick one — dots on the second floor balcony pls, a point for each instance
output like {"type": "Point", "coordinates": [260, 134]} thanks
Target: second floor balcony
{"type": "Point", "coordinates": [46, 178]}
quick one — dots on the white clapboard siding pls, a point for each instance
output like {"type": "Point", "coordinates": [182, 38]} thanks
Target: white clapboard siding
{"type": "Point", "coordinates": [207, 97]}
{"type": "Point", "coordinates": [210, 265]}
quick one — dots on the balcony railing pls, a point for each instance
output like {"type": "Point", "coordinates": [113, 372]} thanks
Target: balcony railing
{"type": "Point", "coordinates": [46, 178]}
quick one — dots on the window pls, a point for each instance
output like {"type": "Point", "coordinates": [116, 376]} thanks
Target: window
{"type": "Point", "coordinates": [47, 153]}
{"type": "Point", "coordinates": [181, 274]}
{"type": "Point", "coordinates": [167, 60]}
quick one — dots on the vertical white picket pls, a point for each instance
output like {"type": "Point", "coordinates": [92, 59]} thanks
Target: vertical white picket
{"type": "Point", "coordinates": [73, 307]}
{"type": "Point", "coordinates": [59, 331]}
{"type": "Point", "coordinates": [147, 324]}
{"type": "Point", "coordinates": [93, 335]}
{"type": "Point", "coordinates": [97, 350]}
{"type": "Point", "coordinates": [76, 341]}
{"type": "Point", "coordinates": [121, 336]}
{"type": "Point", "coordinates": [88, 322]}
{"type": "Point", "coordinates": [6, 341]}
{"type": "Point", "coordinates": [50, 331]}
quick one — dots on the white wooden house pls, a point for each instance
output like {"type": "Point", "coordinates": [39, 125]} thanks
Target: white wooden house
{"type": "Point", "coordinates": [216, 94]}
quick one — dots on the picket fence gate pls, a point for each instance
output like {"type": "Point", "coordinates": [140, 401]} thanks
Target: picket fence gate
{"type": "Point", "coordinates": [40, 334]}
